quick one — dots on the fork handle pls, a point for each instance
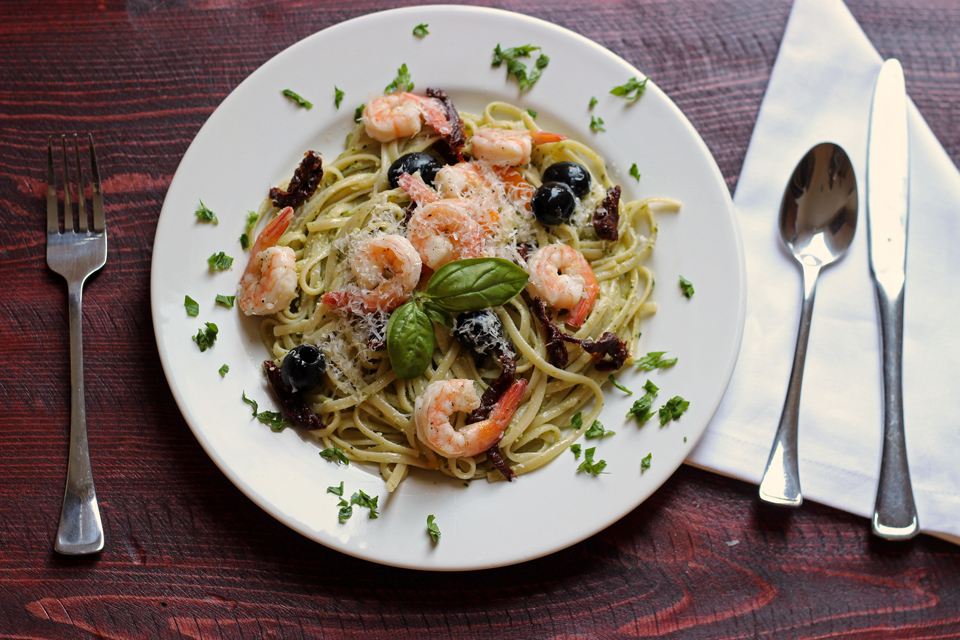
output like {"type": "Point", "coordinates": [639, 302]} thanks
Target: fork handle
{"type": "Point", "coordinates": [80, 530]}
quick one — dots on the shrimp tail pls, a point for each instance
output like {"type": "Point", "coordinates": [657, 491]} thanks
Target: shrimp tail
{"type": "Point", "coordinates": [508, 404]}
{"type": "Point", "coordinates": [418, 191]}
{"type": "Point", "coordinates": [542, 137]}
{"type": "Point", "coordinates": [576, 317]}
{"type": "Point", "coordinates": [272, 232]}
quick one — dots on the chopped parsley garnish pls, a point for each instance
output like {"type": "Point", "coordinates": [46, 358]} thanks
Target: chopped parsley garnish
{"type": "Point", "coordinates": [225, 301]}
{"type": "Point", "coordinates": [596, 124]}
{"type": "Point", "coordinates": [205, 215]}
{"type": "Point", "coordinates": [363, 500]}
{"type": "Point", "coordinates": [336, 454]}
{"type": "Point", "coordinates": [191, 305]}
{"type": "Point", "coordinates": [593, 102]}
{"type": "Point", "coordinates": [596, 430]}
{"type": "Point", "coordinates": [673, 409]}
{"type": "Point", "coordinates": [684, 438]}
{"type": "Point", "coordinates": [613, 380]}
{"type": "Point", "coordinates": [219, 261]}
{"type": "Point", "coordinates": [337, 491]}
{"type": "Point", "coordinates": [577, 420]}
{"type": "Point", "coordinates": [306, 104]}
{"type": "Point", "coordinates": [645, 463]}
{"type": "Point", "coordinates": [252, 217]}
{"type": "Point", "coordinates": [575, 449]}
{"type": "Point", "coordinates": [632, 86]}
{"type": "Point", "coordinates": [533, 114]}
{"type": "Point", "coordinates": [224, 370]}
{"type": "Point", "coordinates": [345, 510]}
{"type": "Point", "coordinates": [244, 241]}
{"type": "Point", "coordinates": [206, 337]}
{"type": "Point", "coordinates": [433, 529]}
{"type": "Point", "coordinates": [589, 465]}
{"type": "Point", "coordinates": [421, 30]}
{"type": "Point", "coordinates": [686, 287]}
{"type": "Point", "coordinates": [358, 113]}
{"type": "Point", "coordinates": [337, 96]}
{"type": "Point", "coordinates": [274, 419]}
{"type": "Point", "coordinates": [525, 77]}
{"type": "Point", "coordinates": [642, 409]}
{"type": "Point", "coordinates": [635, 172]}
{"type": "Point", "coordinates": [653, 360]}
{"type": "Point", "coordinates": [402, 82]}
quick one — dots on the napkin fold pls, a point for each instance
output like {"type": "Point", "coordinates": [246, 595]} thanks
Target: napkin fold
{"type": "Point", "coordinates": [820, 90]}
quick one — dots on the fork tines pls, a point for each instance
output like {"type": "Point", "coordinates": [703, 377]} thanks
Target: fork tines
{"type": "Point", "coordinates": [53, 215]}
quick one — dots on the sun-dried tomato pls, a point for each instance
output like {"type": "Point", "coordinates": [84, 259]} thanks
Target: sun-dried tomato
{"type": "Point", "coordinates": [607, 216]}
{"type": "Point", "coordinates": [489, 400]}
{"type": "Point", "coordinates": [609, 352]}
{"type": "Point", "coordinates": [292, 405]}
{"type": "Point", "coordinates": [302, 185]}
{"type": "Point", "coordinates": [451, 146]}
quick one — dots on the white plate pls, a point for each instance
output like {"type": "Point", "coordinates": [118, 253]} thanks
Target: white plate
{"type": "Point", "coordinates": [256, 138]}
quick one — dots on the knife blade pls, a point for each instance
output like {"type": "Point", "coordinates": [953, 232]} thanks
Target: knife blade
{"type": "Point", "coordinates": [888, 192]}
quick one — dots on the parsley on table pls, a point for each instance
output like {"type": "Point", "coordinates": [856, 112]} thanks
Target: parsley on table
{"type": "Point", "coordinates": [645, 463]}
{"type": "Point", "coordinates": [654, 360]}
{"type": "Point", "coordinates": [224, 370]}
{"type": "Point", "coordinates": [336, 454]}
{"type": "Point", "coordinates": [219, 261]}
{"type": "Point", "coordinates": [206, 337]}
{"type": "Point", "coordinates": [686, 287]}
{"type": "Point", "coordinates": [337, 491]}
{"type": "Point", "coordinates": [642, 409]}
{"type": "Point", "coordinates": [191, 305]}
{"type": "Point", "coordinates": [433, 529]}
{"type": "Point", "coordinates": [306, 104]}
{"type": "Point", "coordinates": [596, 430]}
{"type": "Point", "coordinates": [596, 124]}
{"type": "Point", "coordinates": [635, 172]}
{"type": "Point", "coordinates": [673, 409]}
{"type": "Point", "coordinates": [632, 86]}
{"type": "Point", "coordinates": [252, 217]}
{"type": "Point", "coordinates": [337, 96]}
{"type": "Point", "coordinates": [613, 381]}
{"type": "Point", "coordinates": [361, 499]}
{"type": "Point", "coordinates": [225, 301]}
{"type": "Point", "coordinates": [593, 102]}
{"type": "Point", "coordinates": [358, 113]}
{"type": "Point", "coordinates": [205, 215]}
{"type": "Point", "coordinates": [244, 241]}
{"type": "Point", "coordinates": [402, 82]}
{"type": "Point", "coordinates": [575, 449]}
{"type": "Point", "coordinates": [421, 30]}
{"type": "Point", "coordinates": [525, 77]}
{"type": "Point", "coordinates": [589, 465]}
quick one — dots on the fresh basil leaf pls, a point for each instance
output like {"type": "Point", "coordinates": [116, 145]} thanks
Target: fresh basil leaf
{"type": "Point", "coordinates": [410, 340]}
{"type": "Point", "coordinates": [437, 314]}
{"type": "Point", "coordinates": [475, 283]}
{"type": "Point", "coordinates": [191, 305]}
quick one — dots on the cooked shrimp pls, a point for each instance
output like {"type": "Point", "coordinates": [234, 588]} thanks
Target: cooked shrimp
{"type": "Point", "coordinates": [466, 184]}
{"type": "Point", "coordinates": [443, 398]}
{"type": "Point", "coordinates": [506, 147]}
{"type": "Point", "coordinates": [387, 268]}
{"type": "Point", "coordinates": [563, 278]}
{"type": "Point", "coordinates": [269, 282]}
{"type": "Point", "coordinates": [444, 231]}
{"type": "Point", "coordinates": [397, 115]}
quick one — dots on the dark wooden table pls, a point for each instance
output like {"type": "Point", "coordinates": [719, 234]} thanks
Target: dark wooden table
{"type": "Point", "coordinates": [189, 556]}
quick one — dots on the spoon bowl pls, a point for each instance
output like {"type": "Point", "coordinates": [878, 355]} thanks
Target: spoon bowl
{"type": "Point", "coordinates": [818, 218]}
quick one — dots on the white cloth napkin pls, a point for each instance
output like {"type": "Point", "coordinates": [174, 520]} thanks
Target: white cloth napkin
{"type": "Point", "coordinates": [820, 91]}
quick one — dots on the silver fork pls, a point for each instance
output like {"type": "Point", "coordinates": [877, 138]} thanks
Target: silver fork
{"type": "Point", "coordinates": [76, 253]}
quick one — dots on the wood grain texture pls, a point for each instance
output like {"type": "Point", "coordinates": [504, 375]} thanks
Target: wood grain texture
{"type": "Point", "coordinates": [188, 556]}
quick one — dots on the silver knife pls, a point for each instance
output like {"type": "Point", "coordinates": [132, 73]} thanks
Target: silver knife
{"type": "Point", "coordinates": [888, 191]}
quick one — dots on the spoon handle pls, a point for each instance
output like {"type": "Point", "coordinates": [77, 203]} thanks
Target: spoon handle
{"type": "Point", "coordinates": [781, 478]}
{"type": "Point", "coordinates": [895, 515]}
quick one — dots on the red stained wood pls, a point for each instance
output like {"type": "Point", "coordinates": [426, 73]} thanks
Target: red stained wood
{"type": "Point", "coordinates": [188, 556]}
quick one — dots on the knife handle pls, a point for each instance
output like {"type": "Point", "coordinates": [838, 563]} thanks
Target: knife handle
{"type": "Point", "coordinates": [895, 514]}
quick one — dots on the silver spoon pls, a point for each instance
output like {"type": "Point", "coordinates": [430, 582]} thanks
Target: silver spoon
{"type": "Point", "coordinates": [818, 217]}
